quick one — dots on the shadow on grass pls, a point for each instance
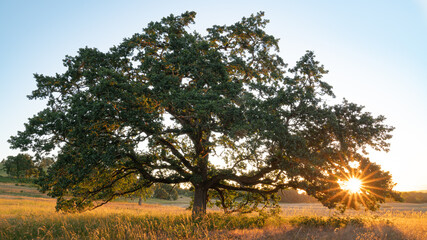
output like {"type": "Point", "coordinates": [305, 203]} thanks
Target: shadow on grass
{"type": "Point", "coordinates": [306, 232]}
{"type": "Point", "coordinates": [318, 228]}
{"type": "Point", "coordinates": [380, 231]}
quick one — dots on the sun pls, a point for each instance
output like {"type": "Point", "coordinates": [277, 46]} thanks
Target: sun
{"type": "Point", "coordinates": [352, 185]}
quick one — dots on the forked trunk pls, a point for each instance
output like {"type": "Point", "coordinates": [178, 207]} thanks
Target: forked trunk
{"type": "Point", "coordinates": [200, 201]}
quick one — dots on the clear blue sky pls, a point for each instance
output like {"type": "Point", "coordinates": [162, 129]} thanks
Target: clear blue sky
{"type": "Point", "coordinates": [376, 52]}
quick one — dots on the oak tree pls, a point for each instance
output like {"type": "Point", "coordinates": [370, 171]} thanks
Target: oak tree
{"type": "Point", "coordinates": [221, 112]}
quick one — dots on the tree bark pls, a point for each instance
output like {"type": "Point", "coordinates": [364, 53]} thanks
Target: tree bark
{"type": "Point", "coordinates": [200, 201]}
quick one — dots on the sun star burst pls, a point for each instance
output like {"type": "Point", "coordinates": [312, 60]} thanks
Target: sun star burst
{"type": "Point", "coordinates": [352, 185]}
{"type": "Point", "coordinates": [355, 185]}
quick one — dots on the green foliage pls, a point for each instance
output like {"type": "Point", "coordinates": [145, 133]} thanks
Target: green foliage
{"type": "Point", "coordinates": [160, 193]}
{"type": "Point", "coordinates": [173, 195]}
{"type": "Point", "coordinates": [161, 105]}
{"type": "Point", "coordinates": [45, 162]}
{"type": "Point", "coordinates": [184, 192]}
{"type": "Point", "coordinates": [245, 202]}
{"type": "Point", "coordinates": [165, 191]}
{"type": "Point", "coordinates": [2, 171]}
{"type": "Point", "coordinates": [7, 179]}
{"type": "Point", "coordinates": [20, 166]}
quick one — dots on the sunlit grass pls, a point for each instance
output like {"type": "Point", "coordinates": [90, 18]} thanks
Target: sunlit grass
{"type": "Point", "coordinates": [32, 218]}
{"type": "Point", "coordinates": [27, 218]}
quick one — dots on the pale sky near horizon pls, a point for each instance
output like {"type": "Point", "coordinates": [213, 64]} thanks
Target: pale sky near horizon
{"type": "Point", "coordinates": [375, 51]}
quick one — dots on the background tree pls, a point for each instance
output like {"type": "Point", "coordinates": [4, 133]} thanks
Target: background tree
{"type": "Point", "coordinates": [20, 166]}
{"type": "Point", "coordinates": [165, 103]}
{"type": "Point", "coordinates": [165, 191]}
{"type": "Point", "coordinates": [45, 162]}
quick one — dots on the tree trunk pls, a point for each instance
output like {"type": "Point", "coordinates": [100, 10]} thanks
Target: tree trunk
{"type": "Point", "coordinates": [140, 201]}
{"type": "Point", "coordinates": [200, 201]}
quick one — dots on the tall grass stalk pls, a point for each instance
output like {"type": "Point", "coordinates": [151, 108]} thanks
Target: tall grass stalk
{"type": "Point", "coordinates": [35, 218]}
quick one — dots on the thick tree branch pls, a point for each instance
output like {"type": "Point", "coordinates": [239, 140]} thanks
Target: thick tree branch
{"type": "Point", "coordinates": [252, 190]}
{"type": "Point", "coordinates": [242, 180]}
{"type": "Point", "coordinates": [146, 175]}
{"type": "Point", "coordinates": [175, 152]}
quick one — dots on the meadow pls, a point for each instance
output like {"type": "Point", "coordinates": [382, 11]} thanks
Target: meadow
{"type": "Point", "coordinates": [27, 214]}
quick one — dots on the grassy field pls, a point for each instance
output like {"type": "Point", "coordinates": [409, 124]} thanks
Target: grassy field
{"type": "Point", "coordinates": [25, 215]}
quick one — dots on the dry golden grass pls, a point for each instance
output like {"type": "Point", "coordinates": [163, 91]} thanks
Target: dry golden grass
{"type": "Point", "coordinates": [18, 189]}
{"type": "Point", "coordinates": [35, 218]}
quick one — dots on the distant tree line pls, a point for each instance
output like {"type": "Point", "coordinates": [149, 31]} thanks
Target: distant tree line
{"type": "Point", "coordinates": [23, 166]}
{"type": "Point", "coordinates": [292, 196]}
{"type": "Point", "coordinates": [414, 197]}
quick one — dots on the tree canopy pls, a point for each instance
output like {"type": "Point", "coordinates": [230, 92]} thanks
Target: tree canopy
{"type": "Point", "coordinates": [220, 111]}
{"type": "Point", "coordinates": [19, 166]}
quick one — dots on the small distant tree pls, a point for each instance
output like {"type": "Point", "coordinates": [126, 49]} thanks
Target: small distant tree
{"type": "Point", "coordinates": [19, 166]}
{"type": "Point", "coordinates": [184, 192]}
{"type": "Point", "coordinates": [173, 195]}
{"type": "Point", "coordinates": [165, 191]}
{"type": "Point", "coordinates": [160, 193]}
{"type": "Point", "coordinates": [42, 165]}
